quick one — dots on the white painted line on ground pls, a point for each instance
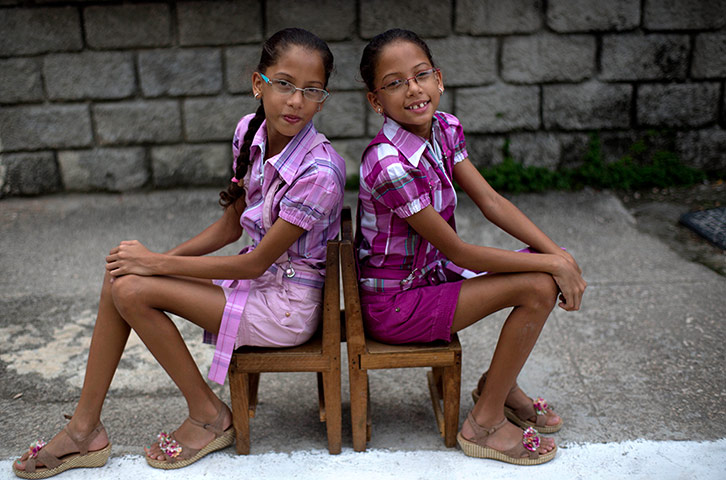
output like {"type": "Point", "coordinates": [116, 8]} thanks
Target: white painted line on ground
{"type": "Point", "coordinates": [628, 460]}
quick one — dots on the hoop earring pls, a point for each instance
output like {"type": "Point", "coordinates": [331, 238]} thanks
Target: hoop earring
{"type": "Point", "coordinates": [257, 95]}
{"type": "Point", "coordinates": [441, 91]}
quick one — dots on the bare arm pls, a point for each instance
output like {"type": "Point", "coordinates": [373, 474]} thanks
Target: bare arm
{"type": "Point", "coordinates": [563, 268]}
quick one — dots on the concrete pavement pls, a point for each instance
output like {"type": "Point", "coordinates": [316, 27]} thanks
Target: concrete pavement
{"type": "Point", "coordinates": [642, 361]}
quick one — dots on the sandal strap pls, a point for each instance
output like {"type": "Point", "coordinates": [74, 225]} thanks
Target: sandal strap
{"type": "Point", "coordinates": [527, 412]}
{"type": "Point", "coordinates": [481, 433]}
{"type": "Point", "coordinates": [50, 461]}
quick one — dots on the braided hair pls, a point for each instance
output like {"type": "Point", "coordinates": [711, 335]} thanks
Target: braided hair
{"type": "Point", "coordinates": [272, 49]}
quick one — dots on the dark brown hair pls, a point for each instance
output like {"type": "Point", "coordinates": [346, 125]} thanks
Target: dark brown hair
{"type": "Point", "coordinates": [272, 49]}
{"type": "Point", "coordinates": [372, 52]}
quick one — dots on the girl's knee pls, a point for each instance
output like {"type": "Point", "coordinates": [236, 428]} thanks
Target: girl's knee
{"type": "Point", "coordinates": [544, 291]}
{"type": "Point", "coordinates": [126, 291]}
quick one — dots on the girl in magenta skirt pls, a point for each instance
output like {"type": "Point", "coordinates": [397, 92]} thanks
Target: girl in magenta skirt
{"type": "Point", "coordinates": [419, 281]}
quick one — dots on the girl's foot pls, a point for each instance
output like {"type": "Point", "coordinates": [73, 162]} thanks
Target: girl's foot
{"type": "Point", "coordinates": [74, 446]}
{"type": "Point", "coordinates": [192, 433]}
{"type": "Point", "coordinates": [524, 411]}
{"type": "Point", "coordinates": [505, 442]}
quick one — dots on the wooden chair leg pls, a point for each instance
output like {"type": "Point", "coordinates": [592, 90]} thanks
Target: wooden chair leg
{"type": "Point", "coordinates": [321, 397]}
{"type": "Point", "coordinates": [333, 416]}
{"type": "Point", "coordinates": [452, 396]}
{"type": "Point", "coordinates": [359, 408]}
{"type": "Point", "coordinates": [254, 388]}
{"type": "Point", "coordinates": [239, 394]}
{"type": "Point", "coordinates": [435, 381]}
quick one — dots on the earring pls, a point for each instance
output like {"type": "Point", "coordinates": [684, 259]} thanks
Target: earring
{"type": "Point", "coordinates": [380, 111]}
{"type": "Point", "coordinates": [441, 91]}
{"type": "Point", "coordinates": [257, 95]}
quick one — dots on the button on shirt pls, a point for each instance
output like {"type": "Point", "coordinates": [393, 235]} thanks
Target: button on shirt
{"type": "Point", "coordinates": [392, 189]}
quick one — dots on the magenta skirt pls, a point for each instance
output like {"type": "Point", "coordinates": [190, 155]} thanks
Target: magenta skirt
{"type": "Point", "coordinates": [421, 314]}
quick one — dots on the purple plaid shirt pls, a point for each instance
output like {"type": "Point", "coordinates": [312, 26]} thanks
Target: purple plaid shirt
{"type": "Point", "coordinates": [401, 175]}
{"type": "Point", "coordinates": [310, 196]}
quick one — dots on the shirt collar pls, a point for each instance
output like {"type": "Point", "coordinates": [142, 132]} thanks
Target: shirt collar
{"type": "Point", "coordinates": [409, 144]}
{"type": "Point", "coordinates": [288, 162]}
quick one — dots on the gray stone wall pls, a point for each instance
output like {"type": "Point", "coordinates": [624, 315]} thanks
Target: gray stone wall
{"type": "Point", "coordinates": [114, 96]}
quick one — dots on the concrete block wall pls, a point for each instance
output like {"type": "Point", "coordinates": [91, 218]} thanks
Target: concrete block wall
{"type": "Point", "coordinates": [114, 96]}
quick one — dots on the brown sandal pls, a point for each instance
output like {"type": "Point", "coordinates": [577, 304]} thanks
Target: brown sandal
{"type": "Point", "coordinates": [538, 409]}
{"type": "Point", "coordinates": [53, 465]}
{"type": "Point", "coordinates": [179, 455]}
{"type": "Point", "coordinates": [524, 453]}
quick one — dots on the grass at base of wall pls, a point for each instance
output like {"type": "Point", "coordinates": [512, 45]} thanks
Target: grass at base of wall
{"type": "Point", "coordinates": [644, 167]}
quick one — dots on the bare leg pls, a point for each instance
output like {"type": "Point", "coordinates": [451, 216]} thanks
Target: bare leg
{"type": "Point", "coordinates": [533, 296]}
{"type": "Point", "coordinates": [127, 303]}
{"type": "Point", "coordinates": [141, 301]}
{"type": "Point", "coordinates": [107, 344]}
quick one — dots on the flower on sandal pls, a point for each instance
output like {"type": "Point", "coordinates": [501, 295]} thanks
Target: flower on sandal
{"type": "Point", "coordinates": [35, 448]}
{"type": "Point", "coordinates": [540, 406]}
{"type": "Point", "coordinates": [530, 439]}
{"type": "Point", "coordinates": [168, 445]}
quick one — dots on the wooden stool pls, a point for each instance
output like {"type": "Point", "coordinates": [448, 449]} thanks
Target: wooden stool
{"type": "Point", "coordinates": [320, 354]}
{"type": "Point", "coordinates": [366, 354]}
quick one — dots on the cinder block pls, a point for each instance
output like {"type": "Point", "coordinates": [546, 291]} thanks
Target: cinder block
{"type": "Point", "coordinates": [588, 15]}
{"type": "Point", "coordinates": [46, 126]}
{"type": "Point", "coordinates": [466, 61]}
{"type": "Point", "coordinates": [709, 56]}
{"type": "Point", "coordinates": [75, 76]}
{"type": "Point", "coordinates": [342, 115]}
{"type": "Point", "coordinates": [644, 57]}
{"type": "Point", "coordinates": [548, 58]}
{"type": "Point", "coordinates": [215, 118]}
{"type": "Point", "coordinates": [428, 18]}
{"type": "Point", "coordinates": [156, 121]}
{"type": "Point", "coordinates": [339, 18]}
{"type": "Point", "coordinates": [678, 105]}
{"type": "Point", "coordinates": [537, 149]}
{"type": "Point", "coordinates": [28, 31]}
{"type": "Point", "coordinates": [483, 17]}
{"type": "Point", "coordinates": [195, 71]}
{"type": "Point", "coordinates": [352, 153]}
{"type": "Point", "coordinates": [498, 108]}
{"type": "Point", "coordinates": [347, 66]}
{"type": "Point", "coordinates": [20, 80]}
{"type": "Point", "coordinates": [590, 105]}
{"type": "Point", "coordinates": [219, 23]}
{"type": "Point", "coordinates": [240, 64]}
{"type": "Point", "coordinates": [191, 165]}
{"type": "Point", "coordinates": [684, 14]}
{"type": "Point", "coordinates": [703, 149]}
{"type": "Point", "coordinates": [28, 174]}
{"type": "Point", "coordinates": [485, 150]}
{"type": "Point", "coordinates": [128, 26]}
{"type": "Point", "coordinates": [107, 169]}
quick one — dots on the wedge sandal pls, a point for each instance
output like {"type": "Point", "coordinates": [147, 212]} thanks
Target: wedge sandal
{"type": "Point", "coordinates": [53, 465]}
{"type": "Point", "coordinates": [539, 409]}
{"type": "Point", "coordinates": [178, 455]}
{"type": "Point", "coordinates": [524, 453]}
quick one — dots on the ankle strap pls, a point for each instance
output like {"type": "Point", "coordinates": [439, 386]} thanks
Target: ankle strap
{"type": "Point", "coordinates": [481, 432]}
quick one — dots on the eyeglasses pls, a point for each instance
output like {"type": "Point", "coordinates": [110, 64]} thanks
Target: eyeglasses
{"type": "Point", "coordinates": [422, 78]}
{"type": "Point", "coordinates": [282, 86]}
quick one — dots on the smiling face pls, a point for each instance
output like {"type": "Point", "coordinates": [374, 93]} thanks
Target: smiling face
{"type": "Point", "coordinates": [287, 114]}
{"type": "Point", "coordinates": [412, 106]}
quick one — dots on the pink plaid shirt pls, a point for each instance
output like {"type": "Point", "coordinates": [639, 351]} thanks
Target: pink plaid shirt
{"type": "Point", "coordinates": [312, 178]}
{"type": "Point", "coordinates": [401, 174]}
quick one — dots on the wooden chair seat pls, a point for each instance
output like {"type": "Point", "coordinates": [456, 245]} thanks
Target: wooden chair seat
{"type": "Point", "coordinates": [365, 354]}
{"type": "Point", "coordinates": [320, 354]}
